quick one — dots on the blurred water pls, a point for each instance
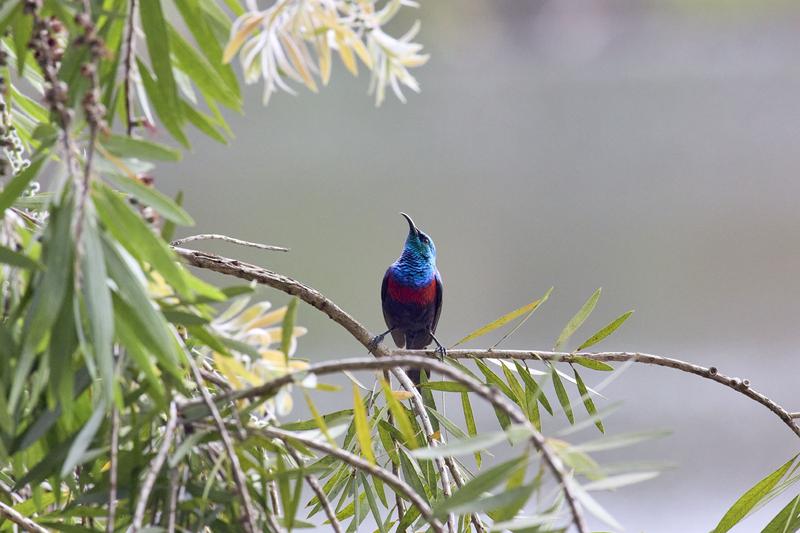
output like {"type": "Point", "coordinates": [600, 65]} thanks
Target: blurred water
{"type": "Point", "coordinates": [646, 147]}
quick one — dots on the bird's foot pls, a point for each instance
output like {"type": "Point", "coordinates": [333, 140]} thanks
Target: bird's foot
{"type": "Point", "coordinates": [375, 342]}
{"type": "Point", "coordinates": [441, 352]}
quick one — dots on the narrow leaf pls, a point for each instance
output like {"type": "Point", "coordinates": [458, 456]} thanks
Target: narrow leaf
{"type": "Point", "coordinates": [16, 259]}
{"type": "Point", "coordinates": [505, 319]}
{"type": "Point", "coordinates": [562, 395]}
{"type": "Point", "coordinates": [587, 400]}
{"type": "Point", "coordinates": [399, 416]}
{"type": "Point", "coordinates": [362, 426]}
{"type": "Point", "coordinates": [752, 497]}
{"type": "Point", "coordinates": [605, 331]}
{"type": "Point", "coordinates": [576, 321]}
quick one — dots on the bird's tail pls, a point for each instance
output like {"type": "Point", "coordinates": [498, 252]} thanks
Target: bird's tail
{"type": "Point", "coordinates": [417, 340]}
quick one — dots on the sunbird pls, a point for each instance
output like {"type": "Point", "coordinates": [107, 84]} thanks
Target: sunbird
{"type": "Point", "coordinates": [411, 296]}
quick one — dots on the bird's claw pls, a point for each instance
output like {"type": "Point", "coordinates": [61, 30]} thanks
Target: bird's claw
{"type": "Point", "coordinates": [441, 352]}
{"type": "Point", "coordinates": [375, 342]}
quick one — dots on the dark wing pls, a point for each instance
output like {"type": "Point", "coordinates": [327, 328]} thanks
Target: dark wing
{"type": "Point", "coordinates": [438, 302]}
{"type": "Point", "coordinates": [398, 336]}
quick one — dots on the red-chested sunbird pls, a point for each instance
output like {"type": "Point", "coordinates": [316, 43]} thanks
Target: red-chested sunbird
{"type": "Point", "coordinates": [411, 295]}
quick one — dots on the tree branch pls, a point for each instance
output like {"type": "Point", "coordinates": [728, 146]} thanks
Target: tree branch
{"type": "Point", "coordinates": [22, 521]}
{"type": "Point", "coordinates": [238, 474]}
{"type": "Point", "coordinates": [314, 484]}
{"type": "Point", "coordinates": [155, 467]}
{"type": "Point", "coordinates": [314, 298]}
{"type": "Point", "coordinates": [225, 238]}
{"type": "Point", "coordinates": [364, 465]}
{"type": "Point", "coordinates": [491, 395]}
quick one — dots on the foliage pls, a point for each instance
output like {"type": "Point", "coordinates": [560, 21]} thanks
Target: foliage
{"type": "Point", "coordinates": [126, 400]}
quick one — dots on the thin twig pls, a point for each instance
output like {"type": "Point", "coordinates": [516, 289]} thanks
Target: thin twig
{"type": "Point", "coordinates": [491, 395]}
{"type": "Point", "coordinates": [314, 484]}
{"type": "Point", "coordinates": [361, 464]}
{"type": "Point", "coordinates": [130, 43]}
{"type": "Point", "coordinates": [22, 521]}
{"type": "Point", "coordinates": [172, 503]}
{"type": "Point", "coordinates": [238, 474]}
{"type": "Point", "coordinates": [112, 470]}
{"type": "Point", "coordinates": [225, 238]}
{"type": "Point", "coordinates": [155, 468]}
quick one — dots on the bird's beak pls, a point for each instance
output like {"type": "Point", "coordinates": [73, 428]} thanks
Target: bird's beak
{"type": "Point", "coordinates": [411, 226]}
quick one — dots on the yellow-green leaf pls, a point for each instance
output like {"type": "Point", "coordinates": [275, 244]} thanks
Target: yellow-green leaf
{"type": "Point", "coordinates": [362, 426]}
{"type": "Point", "coordinates": [505, 319]}
{"type": "Point", "coordinates": [605, 331]}
{"type": "Point", "coordinates": [399, 415]}
{"type": "Point", "coordinates": [576, 321]}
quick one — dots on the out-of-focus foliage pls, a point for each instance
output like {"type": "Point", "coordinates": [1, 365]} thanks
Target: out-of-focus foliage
{"type": "Point", "coordinates": [108, 343]}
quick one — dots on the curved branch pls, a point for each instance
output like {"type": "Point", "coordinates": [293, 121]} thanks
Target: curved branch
{"type": "Point", "coordinates": [489, 394]}
{"type": "Point", "coordinates": [314, 298]}
{"type": "Point", "coordinates": [356, 461]}
{"type": "Point", "coordinates": [742, 386]}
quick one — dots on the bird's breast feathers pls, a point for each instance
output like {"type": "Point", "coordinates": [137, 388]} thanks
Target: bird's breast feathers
{"type": "Point", "coordinates": [402, 293]}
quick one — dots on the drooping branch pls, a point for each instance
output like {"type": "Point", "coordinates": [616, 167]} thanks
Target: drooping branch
{"type": "Point", "coordinates": [384, 475]}
{"type": "Point", "coordinates": [314, 298]}
{"type": "Point", "coordinates": [491, 395]}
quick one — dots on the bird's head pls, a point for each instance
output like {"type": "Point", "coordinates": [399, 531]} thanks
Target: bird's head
{"type": "Point", "coordinates": [418, 243]}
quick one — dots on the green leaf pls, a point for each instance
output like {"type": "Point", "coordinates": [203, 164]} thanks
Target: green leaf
{"type": "Point", "coordinates": [752, 497]}
{"type": "Point", "coordinates": [152, 330]}
{"type": "Point", "coordinates": [168, 230]}
{"type": "Point", "coordinates": [445, 386]}
{"type": "Point", "coordinates": [202, 72]}
{"type": "Point", "coordinates": [22, 35]}
{"type": "Point", "coordinates": [787, 520]}
{"type": "Point", "coordinates": [49, 294]}
{"type": "Point", "coordinates": [16, 259]}
{"type": "Point", "coordinates": [605, 331]}
{"type": "Point", "coordinates": [16, 186]}
{"type": "Point", "coordinates": [562, 395]}
{"type": "Point", "coordinates": [204, 123]}
{"type": "Point", "coordinates": [152, 197]}
{"type": "Point", "coordinates": [99, 310]}
{"type": "Point", "coordinates": [474, 489]}
{"type": "Point", "coordinates": [587, 400]}
{"type": "Point", "coordinates": [591, 363]}
{"type": "Point", "coordinates": [124, 146]}
{"type": "Point", "coordinates": [373, 503]}
{"type": "Point", "coordinates": [288, 326]}
{"type": "Point", "coordinates": [622, 480]}
{"type": "Point", "coordinates": [618, 441]}
{"type": "Point", "coordinates": [84, 439]}
{"type": "Point", "coordinates": [154, 27]}
{"type": "Point", "coordinates": [321, 425]}
{"type": "Point", "coordinates": [199, 22]}
{"type": "Point", "coordinates": [399, 416]}
{"type": "Point", "coordinates": [576, 321]}
{"type": "Point", "coordinates": [469, 420]}
{"type": "Point", "coordinates": [362, 426]}
{"type": "Point", "coordinates": [132, 232]}
{"type": "Point", "coordinates": [412, 474]}
{"type": "Point", "coordinates": [505, 319]}
{"type": "Point", "coordinates": [171, 118]}
{"type": "Point", "coordinates": [457, 448]}
{"type": "Point", "coordinates": [531, 383]}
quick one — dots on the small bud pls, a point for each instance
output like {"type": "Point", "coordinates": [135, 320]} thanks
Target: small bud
{"type": "Point", "coordinates": [83, 20]}
{"type": "Point", "coordinates": [735, 382]}
{"type": "Point", "coordinates": [745, 383]}
{"type": "Point", "coordinates": [712, 371]}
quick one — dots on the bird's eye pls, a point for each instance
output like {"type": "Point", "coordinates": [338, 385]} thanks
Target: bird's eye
{"type": "Point", "coordinates": [424, 239]}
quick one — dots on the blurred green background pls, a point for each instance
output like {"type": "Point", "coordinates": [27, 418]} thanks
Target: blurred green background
{"type": "Point", "coordinates": [646, 147]}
